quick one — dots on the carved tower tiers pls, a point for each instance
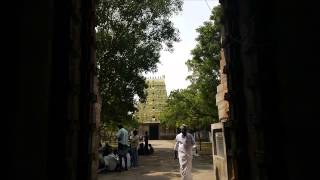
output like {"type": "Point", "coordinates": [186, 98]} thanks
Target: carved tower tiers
{"type": "Point", "coordinates": [149, 112]}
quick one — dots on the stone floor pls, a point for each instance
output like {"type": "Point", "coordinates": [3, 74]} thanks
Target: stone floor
{"type": "Point", "coordinates": [162, 166]}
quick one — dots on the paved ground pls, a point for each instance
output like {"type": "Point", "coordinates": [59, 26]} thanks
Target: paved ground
{"type": "Point", "coordinates": [162, 166]}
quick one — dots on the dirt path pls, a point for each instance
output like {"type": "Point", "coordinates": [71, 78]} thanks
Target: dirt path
{"type": "Point", "coordinates": [162, 166]}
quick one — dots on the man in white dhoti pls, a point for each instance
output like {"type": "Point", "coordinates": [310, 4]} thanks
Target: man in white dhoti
{"type": "Point", "coordinates": [183, 149]}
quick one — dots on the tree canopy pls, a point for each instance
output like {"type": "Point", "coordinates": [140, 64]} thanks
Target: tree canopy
{"type": "Point", "coordinates": [196, 105]}
{"type": "Point", "coordinates": [130, 35]}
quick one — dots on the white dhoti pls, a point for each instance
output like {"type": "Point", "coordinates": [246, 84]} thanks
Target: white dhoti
{"type": "Point", "coordinates": [185, 161]}
{"type": "Point", "coordinates": [184, 146]}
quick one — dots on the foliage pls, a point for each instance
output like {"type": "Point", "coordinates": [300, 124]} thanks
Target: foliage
{"type": "Point", "coordinates": [130, 35]}
{"type": "Point", "coordinates": [195, 106]}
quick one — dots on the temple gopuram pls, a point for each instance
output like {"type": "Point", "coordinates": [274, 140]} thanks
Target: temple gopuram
{"type": "Point", "coordinates": [149, 111]}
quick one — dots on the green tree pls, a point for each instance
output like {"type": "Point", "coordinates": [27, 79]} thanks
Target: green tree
{"type": "Point", "coordinates": [196, 105]}
{"type": "Point", "coordinates": [204, 64]}
{"type": "Point", "coordinates": [186, 106]}
{"type": "Point", "coordinates": [176, 111]}
{"type": "Point", "coordinates": [130, 35]}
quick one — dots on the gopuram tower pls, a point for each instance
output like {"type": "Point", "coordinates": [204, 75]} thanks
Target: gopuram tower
{"type": "Point", "coordinates": [149, 112]}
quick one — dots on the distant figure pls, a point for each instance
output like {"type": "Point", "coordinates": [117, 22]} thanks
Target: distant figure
{"type": "Point", "coordinates": [183, 149]}
{"type": "Point", "coordinates": [123, 145]}
{"type": "Point", "coordinates": [146, 139]}
{"type": "Point", "coordinates": [141, 149]}
{"type": "Point", "coordinates": [151, 150]}
{"type": "Point", "coordinates": [134, 148]}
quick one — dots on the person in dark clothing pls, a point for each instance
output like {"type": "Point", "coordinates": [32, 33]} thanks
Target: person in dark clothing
{"type": "Point", "coordinates": [141, 149]}
{"type": "Point", "coordinates": [107, 149]}
{"type": "Point", "coordinates": [151, 150]}
{"type": "Point", "coordinates": [146, 139]}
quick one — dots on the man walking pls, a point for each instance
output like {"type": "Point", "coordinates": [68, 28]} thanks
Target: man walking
{"type": "Point", "coordinates": [122, 136]}
{"type": "Point", "coordinates": [183, 149]}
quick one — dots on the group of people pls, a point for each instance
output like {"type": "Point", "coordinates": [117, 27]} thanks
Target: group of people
{"type": "Point", "coordinates": [145, 148]}
{"type": "Point", "coordinates": [126, 154]}
{"type": "Point", "coordinates": [133, 148]}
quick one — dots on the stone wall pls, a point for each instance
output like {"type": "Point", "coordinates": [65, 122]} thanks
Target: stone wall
{"type": "Point", "coordinates": [220, 159]}
{"type": "Point", "coordinates": [95, 131]}
{"type": "Point", "coordinates": [222, 90]}
{"type": "Point", "coordinates": [55, 113]}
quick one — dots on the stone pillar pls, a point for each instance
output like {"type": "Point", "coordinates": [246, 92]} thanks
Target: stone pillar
{"type": "Point", "coordinates": [95, 130]}
{"type": "Point", "coordinates": [219, 149]}
{"type": "Point", "coordinates": [222, 91]}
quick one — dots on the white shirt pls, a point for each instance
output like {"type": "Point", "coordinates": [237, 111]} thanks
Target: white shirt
{"type": "Point", "coordinates": [135, 141]}
{"type": "Point", "coordinates": [184, 144]}
{"type": "Point", "coordinates": [122, 136]}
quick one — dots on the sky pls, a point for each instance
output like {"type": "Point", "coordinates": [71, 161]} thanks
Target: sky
{"type": "Point", "coordinates": [172, 65]}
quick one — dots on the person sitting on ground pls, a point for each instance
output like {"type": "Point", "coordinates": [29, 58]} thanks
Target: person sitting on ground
{"type": "Point", "coordinates": [112, 161]}
{"type": "Point", "coordinates": [150, 149]}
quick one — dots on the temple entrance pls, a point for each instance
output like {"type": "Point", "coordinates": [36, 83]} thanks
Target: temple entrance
{"type": "Point", "coordinates": [154, 131]}
{"type": "Point", "coordinates": [55, 97]}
